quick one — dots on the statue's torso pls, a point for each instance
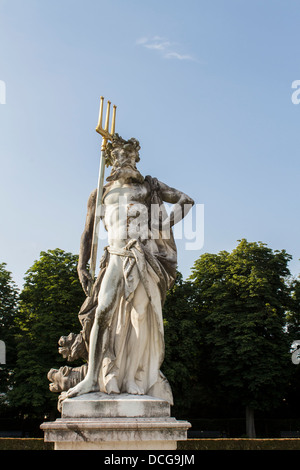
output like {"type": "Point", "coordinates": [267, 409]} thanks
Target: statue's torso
{"type": "Point", "coordinates": [126, 212]}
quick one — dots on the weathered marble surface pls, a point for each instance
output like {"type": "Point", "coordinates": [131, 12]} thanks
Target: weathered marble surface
{"type": "Point", "coordinates": [102, 405]}
{"type": "Point", "coordinates": [119, 398]}
{"type": "Point", "coordinates": [122, 336]}
{"type": "Point", "coordinates": [115, 422]}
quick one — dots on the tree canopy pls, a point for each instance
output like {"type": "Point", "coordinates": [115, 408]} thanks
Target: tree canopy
{"type": "Point", "coordinates": [182, 344]}
{"type": "Point", "coordinates": [8, 308]}
{"type": "Point", "coordinates": [241, 299]}
{"type": "Point", "coordinates": [228, 331]}
{"type": "Point", "coordinates": [48, 308]}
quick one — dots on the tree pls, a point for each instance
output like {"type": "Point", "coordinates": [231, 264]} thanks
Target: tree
{"type": "Point", "coordinates": [293, 314]}
{"type": "Point", "coordinates": [242, 298]}
{"type": "Point", "coordinates": [8, 306]}
{"type": "Point", "coordinates": [182, 344]}
{"type": "Point", "coordinates": [293, 332]}
{"type": "Point", "coordinates": [49, 303]}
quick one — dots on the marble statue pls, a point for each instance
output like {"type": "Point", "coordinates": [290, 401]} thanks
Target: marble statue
{"type": "Point", "coordinates": [122, 335]}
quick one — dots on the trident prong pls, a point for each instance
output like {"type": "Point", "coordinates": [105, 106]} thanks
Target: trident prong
{"type": "Point", "coordinates": [104, 130]}
{"type": "Point", "coordinates": [113, 121]}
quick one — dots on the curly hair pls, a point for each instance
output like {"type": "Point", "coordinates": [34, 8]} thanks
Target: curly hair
{"type": "Point", "coordinates": [119, 142]}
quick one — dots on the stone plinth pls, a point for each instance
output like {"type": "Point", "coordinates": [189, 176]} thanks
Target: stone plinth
{"type": "Point", "coordinates": [102, 405]}
{"type": "Point", "coordinates": [110, 422]}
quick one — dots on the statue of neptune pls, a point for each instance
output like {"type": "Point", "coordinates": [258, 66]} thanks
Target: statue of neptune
{"type": "Point", "coordinates": [122, 337]}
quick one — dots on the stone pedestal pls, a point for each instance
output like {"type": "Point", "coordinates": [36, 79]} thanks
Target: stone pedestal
{"type": "Point", "coordinates": [115, 422]}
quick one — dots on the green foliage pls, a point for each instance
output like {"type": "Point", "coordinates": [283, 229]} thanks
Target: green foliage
{"type": "Point", "coordinates": [226, 341]}
{"type": "Point", "coordinates": [25, 444]}
{"type": "Point", "coordinates": [239, 444]}
{"type": "Point", "coordinates": [49, 304]}
{"type": "Point", "coordinates": [188, 445]}
{"type": "Point", "coordinates": [293, 314]}
{"type": "Point", "coordinates": [182, 344]}
{"type": "Point", "coordinates": [293, 333]}
{"type": "Point", "coordinates": [241, 299]}
{"type": "Point", "coordinates": [8, 308]}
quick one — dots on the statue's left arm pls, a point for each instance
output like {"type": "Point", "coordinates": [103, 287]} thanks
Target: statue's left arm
{"type": "Point", "coordinates": [182, 203]}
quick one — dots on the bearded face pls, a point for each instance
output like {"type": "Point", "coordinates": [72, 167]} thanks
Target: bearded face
{"type": "Point", "coordinates": [124, 166]}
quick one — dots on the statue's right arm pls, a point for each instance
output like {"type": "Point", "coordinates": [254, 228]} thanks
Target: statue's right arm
{"type": "Point", "coordinates": [86, 243]}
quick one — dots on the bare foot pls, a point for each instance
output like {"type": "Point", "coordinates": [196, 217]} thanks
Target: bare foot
{"type": "Point", "coordinates": [85, 386]}
{"type": "Point", "coordinates": [132, 388]}
{"type": "Point", "coordinates": [112, 386]}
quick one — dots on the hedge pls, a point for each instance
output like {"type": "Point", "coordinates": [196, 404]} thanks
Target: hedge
{"type": "Point", "coordinates": [239, 444]}
{"type": "Point", "coordinates": [12, 443]}
{"type": "Point", "coordinates": [189, 444]}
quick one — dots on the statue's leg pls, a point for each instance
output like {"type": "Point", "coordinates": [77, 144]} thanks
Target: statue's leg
{"type": "Point", "coordinates": [107, 297]}
{"type": "Point", "coordinates": [137, 341]}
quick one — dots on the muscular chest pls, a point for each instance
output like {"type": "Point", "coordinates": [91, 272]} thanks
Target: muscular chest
{"type": "Point", "coordinates": [126, 204]}
{"type": "Point", "coordinates": [126, 194]}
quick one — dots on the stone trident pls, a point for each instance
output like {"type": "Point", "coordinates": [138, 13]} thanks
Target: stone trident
{"type": "Point", "coordinates": [105, 137]}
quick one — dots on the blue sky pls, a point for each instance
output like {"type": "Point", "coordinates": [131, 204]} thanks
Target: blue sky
{"type": "Point", "coordinates": [206, 87]}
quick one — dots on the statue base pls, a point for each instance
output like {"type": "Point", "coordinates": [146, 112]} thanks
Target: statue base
{"type": "Point", "coordinates": [97, 421]}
